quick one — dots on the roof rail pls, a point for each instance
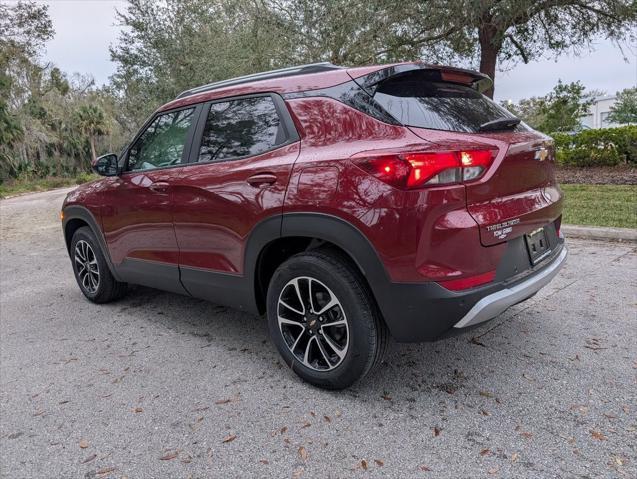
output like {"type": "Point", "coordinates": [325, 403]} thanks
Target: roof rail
{"type": "Point", "coordinates": [283, 72]}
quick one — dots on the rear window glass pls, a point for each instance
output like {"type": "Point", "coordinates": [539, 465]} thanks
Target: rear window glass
{"type": "Point", "coordinates": [415, 100]}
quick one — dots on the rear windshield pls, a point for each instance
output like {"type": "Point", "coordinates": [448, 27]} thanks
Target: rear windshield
{"type": "Point", "coordinates": [417, 99]}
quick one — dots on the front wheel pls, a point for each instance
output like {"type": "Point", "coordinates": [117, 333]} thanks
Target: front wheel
{"type": "Point", "coordinates": [323, 319]}
{"type": "Point", "coordinates": [91, 271]}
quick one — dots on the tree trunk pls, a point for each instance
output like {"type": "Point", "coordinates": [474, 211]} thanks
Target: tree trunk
{"type": "Point", "coordinates": [489, 50]}
{"type": "Point", "coordinates": [91, 140]}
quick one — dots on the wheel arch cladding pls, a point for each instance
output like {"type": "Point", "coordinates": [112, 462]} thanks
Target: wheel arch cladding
{"type": "Point", "coordinates": [302, 231]}
{"type": "Point", "coordinates": [75, 217]}
{"type": "Point", "coordinates": [70, 227]}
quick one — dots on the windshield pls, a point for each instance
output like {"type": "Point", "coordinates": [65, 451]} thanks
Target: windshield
{"type": "Point", "coordinates": [418, 99]}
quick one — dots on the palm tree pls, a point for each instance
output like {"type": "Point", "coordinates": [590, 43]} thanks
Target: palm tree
{"type": "Point", "coordinates": [91, 121]}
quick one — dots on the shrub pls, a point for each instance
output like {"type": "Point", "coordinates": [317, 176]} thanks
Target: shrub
{"type": "Point", "coordinates": [603, 147]}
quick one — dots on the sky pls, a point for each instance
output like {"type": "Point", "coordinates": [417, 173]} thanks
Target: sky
{"type": "Point", "coordinates": [84, 29]}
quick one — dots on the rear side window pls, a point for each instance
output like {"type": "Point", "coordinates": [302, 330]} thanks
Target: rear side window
{"type": "Point", "coordinates": [240, 128]}
{"type": "Point", "coordinates": [414, 99]}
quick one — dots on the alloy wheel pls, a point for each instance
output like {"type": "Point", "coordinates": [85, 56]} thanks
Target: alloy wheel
{"type": "Point", "coordinates": [313, 323]}
{"type": "Point", "coordinates": [86, 266]}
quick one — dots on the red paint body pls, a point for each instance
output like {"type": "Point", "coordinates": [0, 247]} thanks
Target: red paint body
{"type": "Point", "coordinates": [201, 215]}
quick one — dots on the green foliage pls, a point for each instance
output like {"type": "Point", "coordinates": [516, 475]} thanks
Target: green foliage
{"type": "Point", "coordinates": [488, 32]}
{"type": "Point", "coordinates": [559, 111]}
{"type": "Point", "coordinates": [624, 111]}
{"type": "Point", "coordinates": [50, 125]}
{"type": "Point", "coordinates": [603, 147]}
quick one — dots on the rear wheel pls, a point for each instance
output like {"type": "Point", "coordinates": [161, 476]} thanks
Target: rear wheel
{"type": "Point", "coordinates": [324, 321]}
{"type": "Point", "coordinates": [91, 271]}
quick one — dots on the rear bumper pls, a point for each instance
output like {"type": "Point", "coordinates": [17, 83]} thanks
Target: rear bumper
{"type": "Point", "coordinates": [492, 305]}
{"type": "Point", "coordinates": [427, 311]}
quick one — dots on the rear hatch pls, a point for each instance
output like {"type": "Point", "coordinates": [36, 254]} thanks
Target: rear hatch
{"type": "Point", "coordinates": [517, 193]}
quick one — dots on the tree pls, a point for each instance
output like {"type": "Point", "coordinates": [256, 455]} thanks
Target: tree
{"type": "Point", "coordinates": [90, 120]}
{"type": "Point", "coordinates": [559, 111]}
{"type": "Point", "coordinates": [171, 46]}
{"type": "Point", "coordinates": [344, 32]}
{"type": "Point", "coordinates": [624, 111]}
{"type": "Point", "coordinates": [496, 31]}
{"type": "Point", "coordinates": [24, 27]}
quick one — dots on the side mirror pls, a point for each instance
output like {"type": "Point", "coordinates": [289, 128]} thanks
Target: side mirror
{"type": "Point", "coordinates": [106, 165]}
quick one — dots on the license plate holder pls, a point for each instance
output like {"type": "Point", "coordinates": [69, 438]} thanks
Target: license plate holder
{"type": "Point", "coordinates": [537, 245]}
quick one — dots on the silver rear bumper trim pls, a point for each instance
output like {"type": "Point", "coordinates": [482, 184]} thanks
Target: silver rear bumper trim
{"type": "Point", "coordinates": [490, 306]}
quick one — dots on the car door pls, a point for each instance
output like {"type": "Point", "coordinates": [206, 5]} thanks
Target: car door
{"type": "Point", "coordinates": [137, 213]}
{"type": "Point", "coordinates": [244, 152]}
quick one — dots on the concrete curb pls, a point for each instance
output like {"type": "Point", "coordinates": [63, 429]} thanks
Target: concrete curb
{"type": "Point", "coordinates": [627, 235]}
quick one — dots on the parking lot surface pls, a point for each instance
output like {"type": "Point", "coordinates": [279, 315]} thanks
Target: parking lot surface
{"type": "Point", "coordinates": [160, 385]}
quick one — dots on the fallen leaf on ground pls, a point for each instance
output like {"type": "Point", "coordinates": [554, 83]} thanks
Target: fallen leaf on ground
{"type": "Point", "coordinates": [424, 468]}
{"type": "Point", "coordinates": [307, 424]}
{"type": "Point", "coordinates": [223, 401]}
{"type": "Point", "coordinates": [379, 462]}
{"type": "Point", "coordinates": [364, 464]}
{"type": "Point", "coordinates": [89, 459]}
{"type": "Point", "coordinates": [527, 435]}
{"type": "Point", "coordinates": [484, 452]}
{"type": "Point", "coordinates": [83, 443]}
{"type": "Point", "coordinates": [169, 456]}
{"type": "Point", "coordinates": [327, 419]}
{"type": "Point", "coordinates": [264, 461]}
{"type": "Point", "coordinates": [514, 457]}
{"type": "Point", "coordinates": [493, 470]}
{"type": "Point", "coordinates": [138, 409]}
{"type": "Point", "coordinates": [230, 438]}
{"type": "Point", "coordinates": [618, 460]}
{"type": "Point", "coordinates": [486, 394]}
{"type": "Point", "coordinates": [303, 453]}
{"type": "Point", "coordinates": [598, 435]}
{"type": "Point", "coordinates": [105, 470]}
{"type": "Point", "coordinates": [437, 431]}
{"type": "Point", "coordinates": [283, 430]}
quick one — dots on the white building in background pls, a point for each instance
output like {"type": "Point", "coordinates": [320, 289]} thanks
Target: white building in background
{"type": "Point", "coordinates": [598, 114]}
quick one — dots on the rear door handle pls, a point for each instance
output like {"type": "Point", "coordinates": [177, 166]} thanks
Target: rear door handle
{"type": "Point", "coordinates": [159, 187]}
{"type": "Point", "coordinates": [262, 179]}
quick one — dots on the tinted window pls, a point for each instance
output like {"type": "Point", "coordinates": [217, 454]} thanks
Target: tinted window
{"type": "Point", "coordinates": [162, 143]}
{"type": "Point", "coordinates": [239, 128]}
{"type": "Point", "coordinates": [415, 100]}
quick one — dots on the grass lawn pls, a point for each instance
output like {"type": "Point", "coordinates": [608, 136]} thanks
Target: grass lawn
{"type": "Point", "coordinates": [15, 187]}
{"type": "Point", "coordinates": [601, 205]}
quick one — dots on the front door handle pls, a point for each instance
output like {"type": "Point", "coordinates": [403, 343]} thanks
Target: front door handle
{"type": "Point", "coordinates": [159, 187]}
{"type": "Point", "coordinates": [262, 179]}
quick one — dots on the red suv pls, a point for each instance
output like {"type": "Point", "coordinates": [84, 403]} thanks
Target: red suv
{"type": "Point", "coordinates": [346, 203]}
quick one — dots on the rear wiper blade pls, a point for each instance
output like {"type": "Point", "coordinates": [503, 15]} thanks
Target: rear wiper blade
{"type": "Point", "coordinates": [500, 124]}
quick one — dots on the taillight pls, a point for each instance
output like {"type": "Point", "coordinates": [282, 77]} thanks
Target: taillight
{"type": "Point", "coordinates": [415, 170]}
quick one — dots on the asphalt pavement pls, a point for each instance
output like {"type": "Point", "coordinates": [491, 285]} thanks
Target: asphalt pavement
{"type": "Point", "coordinates": [159, 385]}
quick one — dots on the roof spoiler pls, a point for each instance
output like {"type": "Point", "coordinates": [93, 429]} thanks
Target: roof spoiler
{"type": "Point", "coordinates": [476, 80]}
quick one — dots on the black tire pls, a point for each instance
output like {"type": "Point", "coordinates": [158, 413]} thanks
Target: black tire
{"type": "Point", "coordinates": [106, 288]}
{"type": "Point", "coordinates": [367, 333]}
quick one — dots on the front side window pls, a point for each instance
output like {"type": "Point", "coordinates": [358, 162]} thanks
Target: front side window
{"type": "Point", "coordinates": [162, 143]}
{"type": "Point", "coordinates": [240, 128]}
